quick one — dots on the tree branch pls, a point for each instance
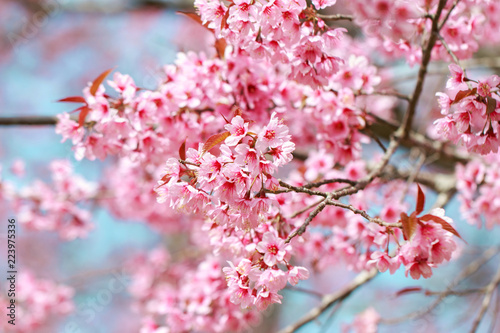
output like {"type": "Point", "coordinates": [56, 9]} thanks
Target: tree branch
{"type": "Point", "coordinates": [486, 300]}
{"type": "Point", "coordinates": [330, 299]}
{"type": "Point", "coordinates": [337, 17]}
{"type": "Point", "coordinates": [28, 121]}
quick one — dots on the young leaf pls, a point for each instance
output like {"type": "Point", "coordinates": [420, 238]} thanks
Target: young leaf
{"type": "Point", "coordinates": [420, 201]}
{"type": "Point", "coordinates": [73, 99]}
{"type": "Point", "coordinates": [97, 82]}
{"type": "Point", "coordinates": [195, 17]}
{"type": "Point", "coordinates": [409, 225]}
{"type": "Point", "coordinates": [446, 226]}
{"type": "Point", "coordinates": [214, 140]}
{"type": "Point", "coordinates": [491, 105]}
{"type": "Point", "coordinates": [182, 151]}
{"type": "Point", "coordinates": [223, 23]}
{"type": "Point", "coordinates": [83, 114]}
{"type": "Point", "coordinates": [220, 47]}
{"type": "Point", "coordinates": [464, 93]}
{"type": "Point", "coordinates": [408, 290]}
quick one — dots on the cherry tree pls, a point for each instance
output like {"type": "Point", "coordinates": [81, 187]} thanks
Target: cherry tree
{"type": "Point", "coordinates": [282, 152]}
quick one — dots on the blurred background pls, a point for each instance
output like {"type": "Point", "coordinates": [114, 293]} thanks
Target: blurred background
{"type": "Point", "coordinates": [51, 49]}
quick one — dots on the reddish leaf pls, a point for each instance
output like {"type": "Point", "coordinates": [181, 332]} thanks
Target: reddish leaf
{"type": "Point", "coordinates": [220, 47]}
{"type": "Point", "coordinates": [195, 17]}
{"type": "Point", "coordinates": [214, 140]}
{"type": "Point", "coordinates": [83, 114]}
{"type": "Point", "coordinates": [408, 290]}
{"type": "Point", "coordinates": [182, 151]}
{"type": "Point", "coordinates": [223, 23]}
{"type": "Point", "coordinates": [409, 225]}
{"type": "Point", "coordinates": [464, 93]}
{"type": "Point", "coordinates": [97, 82]}
{"type": "Point", "coordinates": [227, 121]}
{"type": "Point", "coordinates": [420, 201]}
{"type": "Point", "coordinates": [491, 105]}
{"type": "Point", "coordinates": [446, 226]}
{"type": "Point", "coordinates": [73, 99]}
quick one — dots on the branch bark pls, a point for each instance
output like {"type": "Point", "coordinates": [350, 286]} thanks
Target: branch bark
{"type": "Point", "coordinates": [28, 121]}
{"type": "Point", "coordinates": [330, 299]}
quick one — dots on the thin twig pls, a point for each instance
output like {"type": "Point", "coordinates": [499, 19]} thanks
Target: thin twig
{"type": "Point", "coordinates": [448, 15]}
{"type": "Point", "coordinates": [387, 93]}
{"type": "Point", "coordinates": [305, 291]}
{"type": "Point", "coordinates": [330, 299]}
{"type": "Point", "coordinates": [299, 231]}
{"type": "Point", "coordinates": [473, 267]}
{"type": "Point", "coordinates": [413, 175]}
{"type": "Point", "coordinates": [450, 52]}
{"type": "Point", "coordinates": [337, 17]}
{"type": "Point", "coordinates": [365, 215]}
{"type": "Point", "coordinates": [330, 181]}
{"type": "Point", "coordinates": [301, 189]}
{"type": "Point", "coordinates": [486, 300]}
{"type": "Point", "coordinates": [426, 57]}
{"type": "Point", "coordinates": [294, 215]}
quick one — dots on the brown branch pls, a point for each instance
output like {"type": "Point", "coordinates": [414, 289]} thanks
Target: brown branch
{"type": "Point", "coordinates": [473, 267]}
{"type": "Point", "coordinates": [337, 17]}
{"type": "Point", "coordinates": [330, 299]}
{"type": "Point", "coordinates": [330, 181]}
{"type": "Point", "coordinates": [486, 300]}
{"type": "Point", "coordinates": [301, 189]}
{"type": "Point", "coordinates": [384, 128]}
{"type": "Point", "coordinates": [365, 215]}
{"type": "Point", "coordinates": [426, 57]}
{"type": "Point", "coordinates": [299, 231]}
{"type": "Point", "coordinates": [447, 47]}
{"type": "Point", "coordinates": [387, 93]}
{"type": "Point", "coordinates": [28, 121]}
{"type": "Point", "coordinates": [297, 213]}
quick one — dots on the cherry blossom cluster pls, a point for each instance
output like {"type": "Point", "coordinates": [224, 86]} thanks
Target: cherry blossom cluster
{"type": "Point", "coordinates": [236, 179]}
{"type": "Point", "coordinates": [471, 112]}
{"type": "Point", "coordinates": [365, 322]}
{"type": "Point", "coordinates": [38, 303]}
{"type": "Point", "coordinates": [230, 189]}
{"type": "Point", "coordinates": [397, 28]}
{"type": "Point", "coordinates": [61, 206]}
{"type": "Point", "coordinates": [478, 191]}
{"type": "Point", "coordinates": [130, 196]}
{"type": "Point", "coordinates": [340, 235]}
{"type": "Point", "coordinates": [185, 297]}
{"type": "Point", "coordinates": [283, 32]}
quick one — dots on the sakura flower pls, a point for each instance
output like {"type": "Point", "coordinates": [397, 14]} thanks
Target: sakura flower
{"type": "Point", "coordinates": [297, 273]}
{"type": "Point", "coordinates": [273, 248]}
{"type": "Point", "coordinates": [457, 79]}
{"type": "Point", "coordinates": [484, 87]}
{"type": "Point", "coordinates": [365, 322]}
{"type": "Point", "coordinates": [238, 129]}
{"type": "Point", "coordinates": [272, 135]}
